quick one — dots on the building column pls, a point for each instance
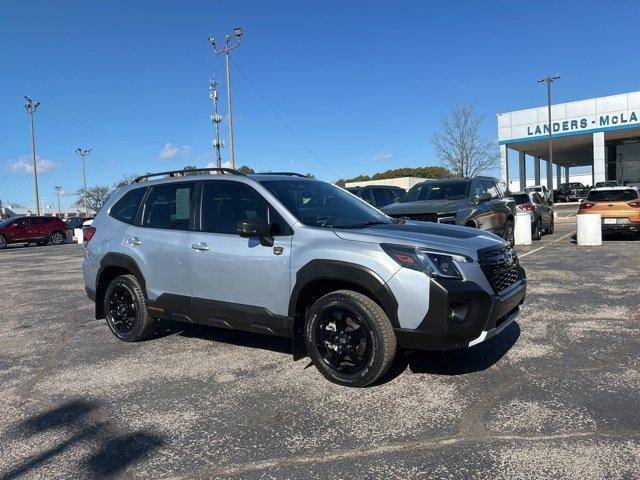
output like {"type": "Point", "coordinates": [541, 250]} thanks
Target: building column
{"type": "Point", "coordinates": [599, 158]}
{"type": "Point", "coordinates": [504, 164]}
{"type": "Point", "coordinates": [536, 169]}
{"type": "Point", "coordinates": [522, 170]}
{"type": "Point", "coordinates": [549, 176]}
{"type": "Point", "coordinates": [566, 174]}
{"type": "Point", "coordinates": [559, 175]}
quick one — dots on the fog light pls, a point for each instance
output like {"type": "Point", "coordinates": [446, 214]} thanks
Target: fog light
{"type": "Point", "coordinates": [457, 314]}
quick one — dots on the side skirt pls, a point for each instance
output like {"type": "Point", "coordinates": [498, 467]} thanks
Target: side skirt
{"type": "Point", "coordinates": [215, 313]}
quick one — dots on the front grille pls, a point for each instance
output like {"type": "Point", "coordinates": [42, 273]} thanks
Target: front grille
{"type": "Point", "coordinates": [501, 267]}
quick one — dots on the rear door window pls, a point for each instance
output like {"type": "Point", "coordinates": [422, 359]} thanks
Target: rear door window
{"type": "Point", "coordinates": [625, 195]}
{"type": "Point", "coordinates": [126, 209]}
{"type": "Point", "coordinates": [169, 206]}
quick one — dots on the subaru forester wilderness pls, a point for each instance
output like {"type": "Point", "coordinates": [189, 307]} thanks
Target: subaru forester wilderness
{"type": "Point", "coordinates": [288, 255]}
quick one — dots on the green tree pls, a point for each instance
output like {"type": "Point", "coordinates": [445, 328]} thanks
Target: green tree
{"type": "Point", "coordinates": [420, 172]}
{"type": "Point", "coordinates": [189, 167]}
{"type": "Point", "coordinates": [246, 169]}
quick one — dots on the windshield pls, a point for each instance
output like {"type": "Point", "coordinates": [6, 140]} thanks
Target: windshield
{"type": "Point", "coordinates": [320, 204]}
{"type": "Point", "coordinates": [448, 190]}
{"type": "Point", "coordinates": [521, 199]}
{"type": "Point", "coordinates": [612, 195]}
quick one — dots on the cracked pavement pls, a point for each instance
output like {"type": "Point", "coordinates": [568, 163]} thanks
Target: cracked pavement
{"type": "Point", "coordinates": [556, 395]}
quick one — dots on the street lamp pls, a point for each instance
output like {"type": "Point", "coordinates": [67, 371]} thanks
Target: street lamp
{"type": "Point", "coordinates": [59, 209]}
{"type": "Point", "coordinates": [230, 43]}
{"type": "Point", "coordinates": [83, 153]}
{"type": "Point", "coordinates": [30, 106]}
{"type": "Point", "coordinates": [549, 80]}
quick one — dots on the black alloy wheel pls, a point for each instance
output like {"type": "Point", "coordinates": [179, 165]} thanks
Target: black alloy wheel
{"type": "Point", "coordinates": [122, 312]}
{"type": "Point", "coordinates": [341, 340]}
{"type": "Point", "coordinates": [125, 309]}
{"type": "Point", "coordinates": [3, 242]}
{"type": "Point", "coordinates": [349, 338]}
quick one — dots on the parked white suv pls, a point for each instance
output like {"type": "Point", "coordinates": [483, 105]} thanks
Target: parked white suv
{"type": "Point", "coordinates": [287, 255]}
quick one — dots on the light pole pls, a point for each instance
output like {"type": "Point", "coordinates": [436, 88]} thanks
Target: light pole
{"type": "Point", "coordinates": [215, 119]}
{"type": "Point", "coordinates": [549, 80]}
{"type": "Point", "coordinates": [230, 43]}
{"type": "Point", "coordinates": [59, 209]}
{"type": "Point", "coordinates": [83, 153]}
{"type": "Point", "coordinates": [31, 107]}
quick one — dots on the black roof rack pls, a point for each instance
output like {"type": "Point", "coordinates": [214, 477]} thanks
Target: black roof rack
{"type": "Point", "coordinates": [291, 174]}
{"type": "Point", "coordinates": [173, 173]}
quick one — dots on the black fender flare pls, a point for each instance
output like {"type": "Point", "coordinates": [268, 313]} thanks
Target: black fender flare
{"type": "Point", "coordinates": [340, 271]}
{"type": "Point", "coordinates": [122, 261]}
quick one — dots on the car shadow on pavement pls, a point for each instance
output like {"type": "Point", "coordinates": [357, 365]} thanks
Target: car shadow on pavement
{"type": "Point", "coordinates": [455, 362]}
{"type": "Point", "coordinates": [73, 425]}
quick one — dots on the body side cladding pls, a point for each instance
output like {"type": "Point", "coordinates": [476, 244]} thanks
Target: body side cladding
{"type": "Point", "coordinates": [345, 275]}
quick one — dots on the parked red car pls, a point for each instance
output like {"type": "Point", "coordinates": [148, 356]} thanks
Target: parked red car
{"type": "Point", "coordinates": [40, 230]}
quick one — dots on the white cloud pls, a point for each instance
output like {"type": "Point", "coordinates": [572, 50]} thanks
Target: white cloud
{"type": "Point", "coordinates": [382, 156]}
{"type": "Point", "coordinates": [24, 164]}
{"type": "Point", "coordinates": [172, 151]}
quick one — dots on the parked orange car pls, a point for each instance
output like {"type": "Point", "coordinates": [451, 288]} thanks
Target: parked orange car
{"type": "Point", "coordinates": [619, 207]}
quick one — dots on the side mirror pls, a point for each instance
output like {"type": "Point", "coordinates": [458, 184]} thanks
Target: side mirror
{"type": "Point", "coordinates": [256, 227]}
{"type": "Point", "coordinates": [483, 197]}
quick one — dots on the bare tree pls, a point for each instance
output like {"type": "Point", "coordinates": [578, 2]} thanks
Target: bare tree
{"type": "Point", "coordinates": [96, 196]}
{"type": "Point", "coordinates": [459, 145]}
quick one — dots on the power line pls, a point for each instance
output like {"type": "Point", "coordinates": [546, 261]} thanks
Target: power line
{"type": "Point", "coordinates": [282, 120]}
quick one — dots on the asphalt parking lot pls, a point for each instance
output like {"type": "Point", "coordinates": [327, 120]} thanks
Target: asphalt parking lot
{"type": "Point", "coordinates": [556, 395]}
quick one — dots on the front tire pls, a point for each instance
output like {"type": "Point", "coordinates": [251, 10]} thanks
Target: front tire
{"type": "Point", "coordinates": [126, 310]}
{"type": "Point", "coordinates": [537, 231]}
{"type": "Point", "coordinates": [3, 242]}
{"type": "Point", "coordinates": [349, 338]}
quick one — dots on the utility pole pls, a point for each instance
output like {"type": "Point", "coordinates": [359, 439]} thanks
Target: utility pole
{"type": "Point", "coordinates": [83, 153]}
{"type": "Point", "coordinates": [59, 209]}
{"type": "Point", "coordinates": [549, 80]}
{"type": "Point", "coordinates": [31, 107]}
{"type": "Point", "coordinates": [215, 119]}
{"type": "Point", "coordinates": [231, 42]}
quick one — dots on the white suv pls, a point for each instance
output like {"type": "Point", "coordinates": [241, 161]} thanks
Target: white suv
{"type": "Point", "coordinates": [287, 255]}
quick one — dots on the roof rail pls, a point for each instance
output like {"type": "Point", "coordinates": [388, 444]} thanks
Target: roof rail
{"type": "Point", "coordinates": [173, 173]}
{"type": "Point", "coordinates": [291, 174]}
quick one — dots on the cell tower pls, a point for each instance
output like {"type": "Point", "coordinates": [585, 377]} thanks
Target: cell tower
{"type": "Point", "coordinates": [215, 119]}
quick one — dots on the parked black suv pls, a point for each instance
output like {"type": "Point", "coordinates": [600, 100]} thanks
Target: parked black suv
{"type": "Point", "coordinates": [570, 192]}
{"type": "Point", "coordinates": [481, 202]}
{"type": "Point", "coordinates": [378, 195]}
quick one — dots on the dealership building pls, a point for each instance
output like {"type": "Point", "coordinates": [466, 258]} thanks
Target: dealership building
{"type": "Point", "coordinates": [601, 133]}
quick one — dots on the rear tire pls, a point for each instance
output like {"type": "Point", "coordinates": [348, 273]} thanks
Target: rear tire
{"type": "Point", "coordinates": [56, 238]}
{"type": "Point", "coordinates": [3, 242]}
{"type": "Point", "coordinates": [349, 338]}
{"type": "Point", "coordinates": [508, 233]}
{"type": "Point", "coordinates": [126, 310]}
{"type": "Point", "coordinates": [537, 231]}
{"type": "Point", "coordinates": [551, 226]}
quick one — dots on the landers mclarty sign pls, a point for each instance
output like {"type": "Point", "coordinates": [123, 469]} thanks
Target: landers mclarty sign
{"type": "Point", "coordinates": [593, 122]}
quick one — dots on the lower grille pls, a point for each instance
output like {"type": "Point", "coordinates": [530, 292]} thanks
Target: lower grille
{"type": "Point", "coordinates": [420, 217]}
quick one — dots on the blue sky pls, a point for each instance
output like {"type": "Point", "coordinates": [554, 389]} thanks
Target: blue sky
{"type": "Point", "coordinates": [361, 84]}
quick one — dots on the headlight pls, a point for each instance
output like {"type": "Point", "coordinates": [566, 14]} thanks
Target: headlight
{"type": "Point", "coordinates": [434, 264]}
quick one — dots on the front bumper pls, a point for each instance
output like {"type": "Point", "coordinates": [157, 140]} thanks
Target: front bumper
{"type": "Point", "coordinates": [484, 315]}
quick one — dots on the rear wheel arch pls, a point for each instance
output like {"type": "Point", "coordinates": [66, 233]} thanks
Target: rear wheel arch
{"type": "Point", "coordinates": [113, 265]}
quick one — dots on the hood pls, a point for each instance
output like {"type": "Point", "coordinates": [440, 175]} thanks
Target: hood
{"type": "Point", "coordinates": [424, 206]}
{"type": "Point", "coordinates": [448, 238]}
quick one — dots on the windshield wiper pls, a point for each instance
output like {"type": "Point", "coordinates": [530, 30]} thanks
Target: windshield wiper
{"type": "Point", "coordinates": [362, 225]}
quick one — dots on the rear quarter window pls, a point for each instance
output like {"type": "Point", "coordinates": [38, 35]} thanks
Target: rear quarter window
{"type": "Point", "coordinates": [126, 209]}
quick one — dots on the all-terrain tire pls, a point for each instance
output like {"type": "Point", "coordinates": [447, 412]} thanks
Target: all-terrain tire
{"type": "Point", "coordinates": [142, 325]}
{"type": "Point", "coordinates": [377, 330]}
{"type": "Point", "coordinates": [509, 232]}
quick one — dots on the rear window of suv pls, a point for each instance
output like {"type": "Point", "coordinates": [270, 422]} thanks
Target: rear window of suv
{"type": "Point", "coordinates": [521, 199]}
{"type": "Point", "coordinates": [612, 195]}
{"type": "Point", "coordinates": [126, 208]}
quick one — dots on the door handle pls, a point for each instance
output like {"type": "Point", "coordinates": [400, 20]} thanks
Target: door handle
{"type": "Point", "coordinates": [201, 246]}
{"type": "Point", "coordinates": [135, 241]}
